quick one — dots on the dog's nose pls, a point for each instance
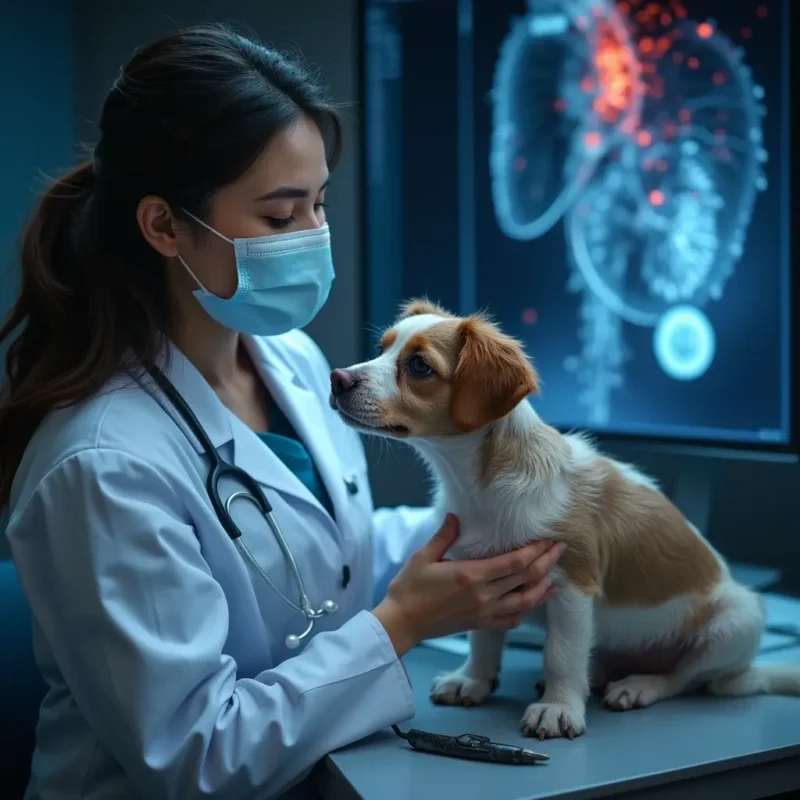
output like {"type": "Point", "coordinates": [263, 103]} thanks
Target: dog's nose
{"type": "Point", "coordinates": [341, 381]}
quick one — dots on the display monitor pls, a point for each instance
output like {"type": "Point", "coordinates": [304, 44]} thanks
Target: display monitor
{"type": "Point", "coordinates": [610, 180]}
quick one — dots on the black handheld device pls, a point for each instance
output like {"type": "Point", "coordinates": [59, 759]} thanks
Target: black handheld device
{"type": "Point", "coordinates": [470, 746]}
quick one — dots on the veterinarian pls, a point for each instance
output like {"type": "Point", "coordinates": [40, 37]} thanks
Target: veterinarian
{"type": "Point", "coordinates": [216, 603]}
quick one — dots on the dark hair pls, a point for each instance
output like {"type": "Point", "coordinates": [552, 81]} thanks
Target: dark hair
{"type": "Point", "coordinates": [188, 115]}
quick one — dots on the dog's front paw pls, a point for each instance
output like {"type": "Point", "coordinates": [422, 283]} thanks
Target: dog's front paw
{"type": "Point", "coordinates": [459, 689]}
{"type": "Point", "coordinates": [552, 720]}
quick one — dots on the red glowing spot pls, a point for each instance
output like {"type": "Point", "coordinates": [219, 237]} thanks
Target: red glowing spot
{"type": "Point", "coordinates": [761, 12]}
{"type": "Point", "coordinates": [591, 139]}
{"type": "Point", "coordinates": [719, 78]}
{"type": "Point", "coordinates": [644, 138]}
{"type": "Point", "coordinates": [680, 11]}
{"type": "Point", "coordinates": [664, 43]}
{"type": "Point", "coordinates": [560, 104]}
{"type": "Point", "coordinates": [705, 31]}
{"type": "Point", "coordinates": [624, 8]}
{"type": "Point", "coordinates": [657, 197]}
{"type": "Point", "coordinates": [520, 162]}
{"type": "Point", "coordinates": [617, 75]}
{"type": "Point", "coordinates": [693, 63]}
{"type": "Point", "coordinates": [530, 316]}
{"type": "Point", "coordinates": [747, 33]}
{"type": "Point", "coordinates": [685, 115]}
{"type": "Point", "coordinates": [665, 19]}
{"type": "Point", "coordinates": [646, 44]}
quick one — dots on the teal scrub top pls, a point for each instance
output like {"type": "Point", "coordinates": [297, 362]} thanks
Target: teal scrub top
{"type": "Point", "coordinates": [284, 442]}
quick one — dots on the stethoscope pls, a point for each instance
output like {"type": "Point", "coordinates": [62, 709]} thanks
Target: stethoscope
{"type": "Point", "coordinates": [255, 495]}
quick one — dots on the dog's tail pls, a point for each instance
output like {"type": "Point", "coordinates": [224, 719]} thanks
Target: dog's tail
{"type": "Point", "coordinates": [781, 679]}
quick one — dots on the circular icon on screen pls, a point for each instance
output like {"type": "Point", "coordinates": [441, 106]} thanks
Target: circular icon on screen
{"type": "Point", "coordinates": [684, 343]}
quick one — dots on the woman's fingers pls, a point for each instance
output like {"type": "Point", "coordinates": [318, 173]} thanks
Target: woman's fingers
{"type": "Point", "coordinates": [530, 596]}
{"type": "Point", "coordinates": [492, 569]}
{"type": "Point", "coordinates": [536, 571]}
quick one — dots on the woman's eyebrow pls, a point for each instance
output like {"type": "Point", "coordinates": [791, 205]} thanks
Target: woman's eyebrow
{"type": "Point", "coordinates": [289, 193]}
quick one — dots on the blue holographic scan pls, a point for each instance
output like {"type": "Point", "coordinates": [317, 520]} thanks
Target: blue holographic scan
{"type": "Point", "coordinates": [610, 181]}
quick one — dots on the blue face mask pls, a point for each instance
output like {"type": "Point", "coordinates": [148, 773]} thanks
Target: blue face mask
{"type": "Point", "coordinates": [284, 280]}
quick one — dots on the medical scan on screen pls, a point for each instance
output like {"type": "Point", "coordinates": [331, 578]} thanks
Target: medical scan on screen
{"type": "Point", "coordinates": [617, 173]}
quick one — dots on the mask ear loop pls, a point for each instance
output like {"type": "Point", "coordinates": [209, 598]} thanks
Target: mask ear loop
{"type": "Point", "coordinates": [189, 270]}
{"type": "Point", "coordinates": [208, 227]}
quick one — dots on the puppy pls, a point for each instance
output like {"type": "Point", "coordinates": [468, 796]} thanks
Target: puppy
{"type": "Point", "coordinates": [647, 608]}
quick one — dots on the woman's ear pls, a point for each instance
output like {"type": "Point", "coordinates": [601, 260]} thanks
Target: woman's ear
{"type": "Point", "coordinates": [492, 377]}
{"type": "Point", "coordinates": [156, 222]}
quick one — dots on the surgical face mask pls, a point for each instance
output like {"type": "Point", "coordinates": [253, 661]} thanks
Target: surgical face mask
{"type": "Point", "coordinates": [284, 280]}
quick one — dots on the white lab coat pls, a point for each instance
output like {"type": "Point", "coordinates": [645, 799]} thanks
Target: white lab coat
{"type": "Point", "coordinates": [163, 649]}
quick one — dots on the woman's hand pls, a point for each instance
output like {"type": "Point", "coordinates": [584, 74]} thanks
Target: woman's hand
{"type": "Point", "coordinates": [431, 597]}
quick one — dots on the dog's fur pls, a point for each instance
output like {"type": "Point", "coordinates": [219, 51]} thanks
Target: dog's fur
{"type": "Point", "coordinates": [647, 608]}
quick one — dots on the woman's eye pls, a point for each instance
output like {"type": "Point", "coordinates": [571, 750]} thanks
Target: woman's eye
{"type": "Point", "coordinates": [280, 222]}
{"type": "Point", "coordinates": [419, 367]}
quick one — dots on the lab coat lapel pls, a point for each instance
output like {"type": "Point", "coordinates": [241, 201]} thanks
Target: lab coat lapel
{"type": "Point", "coordinates": [302, 407]}
{"type": "Point", "coordinates": [225, 429]}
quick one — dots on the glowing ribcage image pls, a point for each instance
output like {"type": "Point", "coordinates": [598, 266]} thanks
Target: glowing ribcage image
{"type": "Point", "coordinates": [541, 156]}
{"type": "Point", "coordinates": [653, 124]}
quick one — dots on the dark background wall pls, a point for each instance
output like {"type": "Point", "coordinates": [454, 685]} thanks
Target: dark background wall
{"type": "Point", "coordinates": [37, 113]}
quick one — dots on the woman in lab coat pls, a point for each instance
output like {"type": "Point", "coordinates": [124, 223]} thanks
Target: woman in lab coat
{"type": "Point", "coordinates": [195, 241]}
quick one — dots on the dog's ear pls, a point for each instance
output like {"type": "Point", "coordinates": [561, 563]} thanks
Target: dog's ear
{"type": "Point", "coordinates": [493, 375]}
{"type": "Point", "coordinates": [421, 305]}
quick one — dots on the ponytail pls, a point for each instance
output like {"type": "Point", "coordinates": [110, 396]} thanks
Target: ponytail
{"type": "Point", "coordinates": [68, 317]}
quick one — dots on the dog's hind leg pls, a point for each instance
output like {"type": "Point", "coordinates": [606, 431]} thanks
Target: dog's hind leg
{"type": "Point", "coordinates": [725, 647]}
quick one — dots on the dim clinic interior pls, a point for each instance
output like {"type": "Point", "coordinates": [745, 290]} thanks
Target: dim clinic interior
{"type": "Point", "coordinates": [398, 395]}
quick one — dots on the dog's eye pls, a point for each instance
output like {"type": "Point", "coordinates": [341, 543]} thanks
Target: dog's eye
{"type": "Point", "coordinates": [419, 367]}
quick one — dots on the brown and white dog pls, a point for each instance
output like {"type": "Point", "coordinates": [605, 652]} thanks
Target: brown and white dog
{"type": "Point", "coordinates": [647, 608]}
